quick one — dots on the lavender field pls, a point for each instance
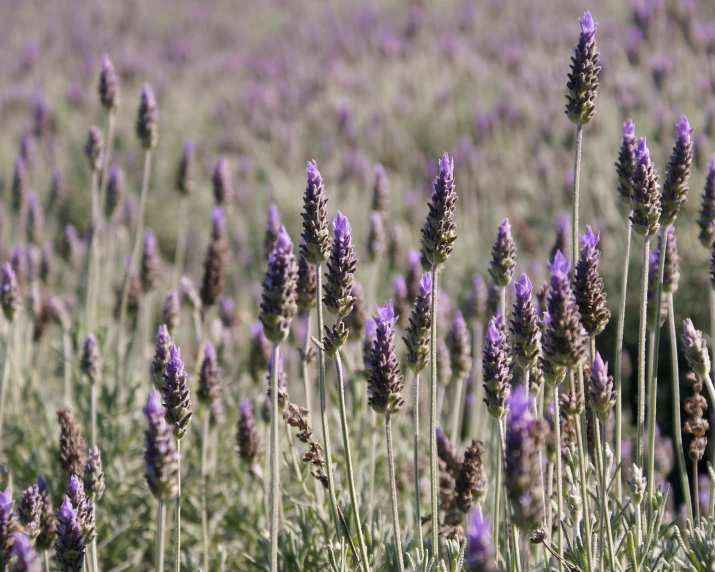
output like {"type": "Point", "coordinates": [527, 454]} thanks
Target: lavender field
{"type": "Point", "coordinates": [378, 286]}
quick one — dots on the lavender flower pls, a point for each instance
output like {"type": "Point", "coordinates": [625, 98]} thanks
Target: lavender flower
{"type": "Point", "coordinates": [273, 225]}
{"type": "Point", "coordinates": [375, 237]}
{"type": "Point", "coordinates": [316, 241]}
{"type": "Point", "coordinates": [147, 119]}
{"type": "Point", "coordinates": [645, 195]}
{"type": "Point", "coordinates": [706, 216]}
{"type": "Point", "coordinates": [94, 148]}
{"type": "Point", "coordinates": [72, 443]}
{"type": "Point", "coordinates": [171, 311]}
{"type": "Point", "coordinates": [149, 266]}
{"type": "Point", "coordinates": [479, 556]}
{"type": "Point", "coordinates": [26, 560]}
{"type": "Point", "coordinates": [280, 293]}
{"type": "Point", "coordinates": [380, 191]}
{"type": "Point", "coordinates": [439, 230]}
{"type": "Point", "coordinates": [496, 368]}
{"type": "Point", "coordinates": [675, 186]}
{"type": "Point", "coordinates": [69, 546]}
{"type": "Point", "coordinates": [93, 478]}
{"type": "Point", "coordinates": [341, 270]}
{"type": "Point", "coordinates": [417, 334]}
{"type": "Point", "coordinates": [671, 274]}
{"type": "Point", "coordinates": [386, 382]}
{"type": "Point", "coordinates": [626, 163]}
{"type": "Point", "coordinates": [501, 267]}
{"type": "Point", "coordinates": [522, 477]}
{"type": "Point", "coordinates": [109, 91]}
{"type": "Point", "coordinates": [459, 343]}
{"type": "Point", "coordinates": [19, 185]}
{"type": "Point", "coordinates": [8, 526]}
{"type": "Point", "coordinates": [176, 394]}
{"type": "Point", "coordinates": [161, 355]}
{"type": "Point", "coordinates": [115, 190]}
{"type": "Point", "coordinates": [583, 79]}
{"type": "Point", "coordinates": [250, 445]}
{"type": "Point", "coordinates": [10, 297]}
{"type": "Point", "coordinates": [215, 261]}
{"type": "Point", "coordinates": [160, 455]}
{"type": "Point", "coordinates": [525, 330]}
{"type": "Point", "coordinates": [91, 361]}
{"type": "Point", "coordinates": [84, 507]}
{"type": "Point", "coordinates": [588, 286]}
{"type": "Point", "coordinates": [564, 342]}
{"type": "Point", "coordinates": [260, 351]}
{"type": "Point", "coordinates": [29, 512]}
{"type": "Point", "coordinates": [602, 396]}
{"type": "Point", "coordinates": [210, 380]}
{"type": "Point", "coordinates": [48, 522]}
{"type": "Point", "coordinates": [185, 169]}
{"type": "Point", "coordinates": [695, 349]}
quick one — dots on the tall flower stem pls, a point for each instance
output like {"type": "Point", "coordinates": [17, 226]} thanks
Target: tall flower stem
{"type": "Point", "coordinates": [559, 476]}
{"type": "Point", "coordinates": [93, 406]}
{"type": "Point", "coordinates": [605, 523]}
{"type": "Point", "coordinates": [618, 357]}
{"type": "Point", "coordinates": [181, 233]}
{"type": "Point", "coordinates": [275, 459]}
{"type": "Point", "coordinates": [576, 178]}
{"type": "Point", "coordinates": [393, 492]}
{"type": "Point", "coordinates": [416, 456]}
{"type": "Point", "coordinates": [160, 528]}
{"type": "Point", "coordinates": [502, 461]}
{"type": "Point", "coordinates": [641, 352]}
{"type": "Point", "coordinates": [677, 433]}
{"type": "Point", "coordinates": [582, 456]}
{"type": "Point", "coordinates": [93, 546]}
{"type": "Point", "coordinates": [136, 249]}
{"type": "Point", "coordinates": [304, 366]}
{"type": "Point", "coordinates": [275, 482]}
{"type": "Point", "coordinates": [697, 494]}
{"type": "Point", "coordinates": [92, 256]}
{"type": "Point", "coordinates": [177, 514]}
{"type": "Point", "coordinates": [653, 381]}
{"type": "Point", "coordinates": [5, 374]}
{"type": "Point", "coordinates": [496, 515]}
{"type": "Point", "coordinates": [434, 469]}
{"type": "Point", "coordinates": [323, 403]}
{"type": "Point", "coordinates": [349, 460]}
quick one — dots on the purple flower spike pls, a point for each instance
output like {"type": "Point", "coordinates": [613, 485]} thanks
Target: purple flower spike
{"type": "Point", "coordinates": [160, 455]}
{"type": "Point", "coordinates": [10, 297]}
{"type": "Point", "coordinates": [439, 230]}
{"type": "Point", "coordinates": [185, 169]}
{"type": "Point", "coordinates": [147, 119]}
{"type": "Point", "coordinates": [26, 559]}
{"type": "Point", "coordinates": [601, 393]}
{"type": "Point", "coordinates": [589, 288]}
{"type": "Point", "coordinates": [496, 368]}
{"type": "Point", "coordinates": [69, 545]}
{"type": "Point", "coordinates": [280, 289]}
{"type": "Point", "coordinates": [417, 334]}
{"type": "Point", "coordinates": [503, 260]}
{"type": "Point", "coordinates": [706, 216]}
{"type": "Point", "coordinates": [588, 26]}
{"type": "Point", "coordinates": [386, 381]}
{"type": "Point", "coordinates": [338, 297]}
{"type": "Point", "coordinates": [629, 130]}
{"type": "Point", "coordinates": [250, 445]}
{"type": "Point", "coordinates": [479, 555]}
{"type": "Point", "coordinates": [341, 226]}
{"type": "Point", "coordinates": [176, 394]}
{"type": "Point", "coordinates": [560, 267]}
{"type": "Point", "coordinates": [314, 177]}
{"type": "Point", "coordinates": [91, 360]}
{"type": "Point", "coordinates": [459, 343]}
{"type": "Point", "coordinates": [675, 186]}
{"type": "Point", "coordinates": [523, 287]}
{"type": "Point", "coordinates": [316, 241]}
{"type": "Point", "coordinates": [626, 163]}
{"type": "Point", "coordinates": [210, 379]}
{"type": "Point", "coordinates": [645, 195]}
{"type": "Point", "coordinates": [583, 79]}
{"type": "Point", "coordinates": [525, 330]}
{"type": "Point", "coordinates": [217, 255]}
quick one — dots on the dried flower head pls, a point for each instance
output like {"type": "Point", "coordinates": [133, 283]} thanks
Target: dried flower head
{"type": "Point", "coordinates": [588, 286]}
{"type": "Point", "coordinates": [501, 267]}
{"type": "Point", "coordinates": [386, 381]}
{"type": "Point", "coordinates": [216, 259]}
{"type": "Point", "coordinates": [380, 191]}
{"type": "Point", "coordinates": [250, 445]}
{"type": "Point", "coordinates": [297, 417]}
{"type": "Point", "coordinates": [583, 79]}
{"type": "Point", "coordinates": [176, 394]}
{"type": "Point", "coordinates": [675, 186]}
{"type": "Point", "coordinates": [645, 193]}
{"type": "Point", "coordinates": [637, 483]}
{"type": "Point", "coordinates": [210, 380]}
{"type": "Point", "coordinates": [161, 458]}
{"type": "Point", "coordinates": [626, 163]}
{"type": "Point", "coordinates": [439, 230]}
{"type": "Point", "coordinates": [696, 424]}
{"type": "Point", "coordinates": [94, 148]}
{"type": "Point", "coordinates": [695, 349]}
{"type": "Point", "coordinates": [147, 119]}
{"type": "Point", "coordinates": [280, 290]}
{"type": "Point", "coordinates": [316, 240]}
{"type": "Point", "coordinates": [73, 447]}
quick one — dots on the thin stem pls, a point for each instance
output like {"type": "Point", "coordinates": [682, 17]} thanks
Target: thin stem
{"type": "Point", "coordinates": [93, 545]}
{"type": "Point", "coordinates": [618, 356]}
{"type": "Point", "coordinates": [93, 400]}
{"type": "Point", "coordinates": [576, 178]}
{"type": "Point", "coordinates": [416, 456]}
{"type": "Point", "coordinates": [161, 526]}
{"type": "Point", "coordinates": [652, 402]}
{"type": "Point", "coordinates": [304, 366]}
{"type": "Point", "coordinates": [323, 403]}
{"type": "Point", "coordinates": [5, 374]}
{"type": "Point", "coordinates": [605, 514]}
{"type": "Point", "coordinates": [456, 408]}
{"type": "Point", "coordinates": [641, 352]}
{"type": "Point", "coordinates": [559, 476]}
{"type": "Point", "coordinates": [46, 556]}
{"type": "Point", "coordinates": [697, 493]}
{"type": "Point", "coordinates": [496, 515]}
{"type": "Point", "coordinates": [434, 470]}
{"type": "Point", "coordinates": [275, 478]}
{"type": "Point", "coordinates": [349, 460]}
{"type": "Point", "coordinates": [181, 234]}
{"type": "Point", "coordinates": [92, 254]}
{"type": "Point", "coordinates": [177, 514]}
{"type": "Point", "coordinates": [677, 433]}
{"type": "Point", "coordinates": [393, 492]}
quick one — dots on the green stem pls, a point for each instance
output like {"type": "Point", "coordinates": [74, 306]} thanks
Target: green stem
{"type": "Point", "coordinates": [161, 525]}
{"type": "Point", "coordinates": [93, 405]}
{"type": "Point", "coordinates": [5, 375]}
{"type": "Point", "coordinates": [496, 515]}
{"type": "Point", "coordinates": [177, 514]}
{"type": "Point", "coordinates": [91, 255]}
{"type": "Point", "coordinates": [652, 402]}
{"type": "Point", "coordinates": [434, 470]}
{"type": "Point", "coordinates": [641, 352]}
{"type": "Point", "coordinates": [605, 514]}
{"type": "Point", "coordinates": [416, 457]}
{"type": "Point", "coordinates": [576, 179]}
{"type": "Point", "coordinates": [559, 476]}
{"type": "Point", "coordinates": [47, 560]}
{"type": "Point", "coordinates": [677, 433]}
{"type": "Point", "coordinates": [275, 482]}
{"type": "Point", "coordinates": [618, 357]}
{"type": "Point", "coordinates": [349, 461]}
{"type": "Point", "coordinates": [304, 366]}
{"type": "Point", "coordinates": [323, 404]}
{"type": "Point", "coordinates": [393, 492]}
{"type": "Point", "coordinates": [697, 493]}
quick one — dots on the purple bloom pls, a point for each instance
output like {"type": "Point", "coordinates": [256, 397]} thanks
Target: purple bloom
{"type": "Point", "coordinates": [217, 255]}
{"type": "Point", "coordinates": [160, 455]}
{"type": "Point", "coordinates": [337, 296]}
{"type": "Point", "coordinates": [250, 445]}
{"type": "Point", "coordinates": [583, 79]}
{"type": "Point", "coordinates": [601, 393]}
{"type": "Point", "coordinates": [109, 93]}
{"type": "Point", "coordinates": [210, 380]}
{"type": "Point", "coordinates": [479, 555]}
{"type": "Point", "coordinates": [417, 334]}
{"type": "Point", "coordinates": [439, 230]}
{"type": "Point", "coordinates": [503, 260]}
{"type": "Point", "coordinates": [69, 545]}
{"type": "Point", "coordinates": [221, 179]}
{"type": "Point", "coordinates": [147, 119]}
{"type": "Point", "coordinates": [525, 330]}
{"type": "Point", "coordinates": [588, 26]}
{"type": "Point", "coordinates": [589, 288]}
{"type": "Point", "coordinates": [675, 186]}
{"type": "Point", "coordinates": [316, 242]}
{"type": "Point", "coordinates": [176, 394]}
{"type": "Point", "coordinates": [496, 368]}
{"type": "Point", "coordinates": [459, 343]}
{"type": "Point", "coordinates": [386, 381]}
{"type": "Point", "coordinates": [26, 559]}
{"type": "Point", "coordinates": [149, 269]}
